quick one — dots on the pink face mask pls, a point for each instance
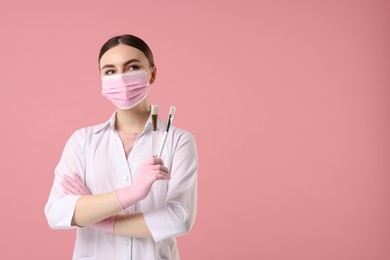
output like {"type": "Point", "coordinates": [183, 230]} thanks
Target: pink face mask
{"type": "Point", "coordinates": [126, 90]}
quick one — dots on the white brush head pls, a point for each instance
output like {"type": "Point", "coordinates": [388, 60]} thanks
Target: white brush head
{"type": "Point", "coordinates": [154, 110]}
{"type": "Point", "coordinates": [172, 111]}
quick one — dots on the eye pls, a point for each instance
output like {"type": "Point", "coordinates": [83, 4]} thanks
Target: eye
{"type": "Point", "coordinates": [133, 67]}
{"type": "Point", "coordinates": [109, 72]}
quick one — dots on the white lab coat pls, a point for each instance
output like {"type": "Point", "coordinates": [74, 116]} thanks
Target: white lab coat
{"type": "Point", "coordinates": [96, 154]}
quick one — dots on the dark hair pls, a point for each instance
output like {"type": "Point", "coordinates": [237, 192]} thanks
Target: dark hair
{"type": "Point", "coordinates": [129, 40]}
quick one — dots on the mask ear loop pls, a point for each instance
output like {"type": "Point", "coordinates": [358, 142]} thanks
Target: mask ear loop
{"type": "Point", "coordinates": [151, 78]}
{"type": "Point", "coordinates": [150, 69]}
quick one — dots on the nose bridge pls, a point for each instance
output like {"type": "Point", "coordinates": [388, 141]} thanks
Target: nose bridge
{"type": "Point", "coordinates": [120, 69]}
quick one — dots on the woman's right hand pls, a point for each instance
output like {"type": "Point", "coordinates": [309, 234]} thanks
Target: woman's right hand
{"type": "Point", "coordinates": [74, 185]}
{"type": "Point", "coordinates": [149, 171]}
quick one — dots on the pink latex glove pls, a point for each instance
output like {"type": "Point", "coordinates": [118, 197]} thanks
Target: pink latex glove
{"type": "Point", "coordinates": [76, 186]}
{"type": "Point", "coordinates": [149, 171]}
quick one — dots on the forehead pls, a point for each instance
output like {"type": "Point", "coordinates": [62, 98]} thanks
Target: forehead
{"type": "Point", "coordinates": [120, 54]}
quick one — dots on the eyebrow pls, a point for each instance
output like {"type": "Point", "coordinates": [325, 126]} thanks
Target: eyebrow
{"type": "Point", "coordinates": [124, 64]}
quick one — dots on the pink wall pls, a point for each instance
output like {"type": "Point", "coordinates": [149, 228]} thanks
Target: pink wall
{"type": "Point", "coordinates": [288, 101]}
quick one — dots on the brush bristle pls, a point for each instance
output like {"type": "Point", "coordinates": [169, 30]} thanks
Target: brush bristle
{"type": "Point", "coordinates": [154, 110]}
{"type": "Point", "coordinates": [172, 111]}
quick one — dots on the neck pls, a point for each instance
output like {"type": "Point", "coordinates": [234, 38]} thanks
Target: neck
{"type": "Point", "coordinates": [132, 120]}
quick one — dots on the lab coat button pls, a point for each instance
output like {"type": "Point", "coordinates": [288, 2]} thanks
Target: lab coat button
{"type": "Point", "coordinates": [126, 243]}
{"type": "Point", "coordinates": [125, 178]}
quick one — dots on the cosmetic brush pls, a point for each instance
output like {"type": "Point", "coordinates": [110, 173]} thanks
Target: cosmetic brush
{"type": "Point", "coordinates": [154, 113]}
{"type": "Point", "coordinates": [167, 126]}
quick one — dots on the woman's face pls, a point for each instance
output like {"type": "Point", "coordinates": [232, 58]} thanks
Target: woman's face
{"type": "Point", "coordinates": [123, 58]}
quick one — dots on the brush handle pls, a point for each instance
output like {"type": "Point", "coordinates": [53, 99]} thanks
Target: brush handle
{"type": "Point", "coordinates": [154, 143]}
{"type": "Point", "coordinates": [164, 139]}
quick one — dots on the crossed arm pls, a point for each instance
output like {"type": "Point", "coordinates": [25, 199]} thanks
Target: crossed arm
{"type": "Point", "coordinates": [99, 211]}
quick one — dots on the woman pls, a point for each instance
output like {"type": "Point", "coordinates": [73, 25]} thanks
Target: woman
{"type": "Point", "coordinates": [125, 203]}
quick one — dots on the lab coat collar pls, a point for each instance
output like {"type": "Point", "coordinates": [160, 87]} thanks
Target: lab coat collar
{"type": "Point", "coordinates": [111, 123]}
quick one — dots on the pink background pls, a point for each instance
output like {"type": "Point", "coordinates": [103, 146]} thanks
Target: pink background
{"type": "Point", "coordinates": [288, 101]}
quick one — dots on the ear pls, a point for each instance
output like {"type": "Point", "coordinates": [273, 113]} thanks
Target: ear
{"type": "Point", "coordinates": [153, 75]}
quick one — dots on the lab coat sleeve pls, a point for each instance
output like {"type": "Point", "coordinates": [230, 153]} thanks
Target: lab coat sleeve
{"type": "Point", "coordinates": [60, 207]}
{"type": "Point", "coordinates": [178, 216]}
